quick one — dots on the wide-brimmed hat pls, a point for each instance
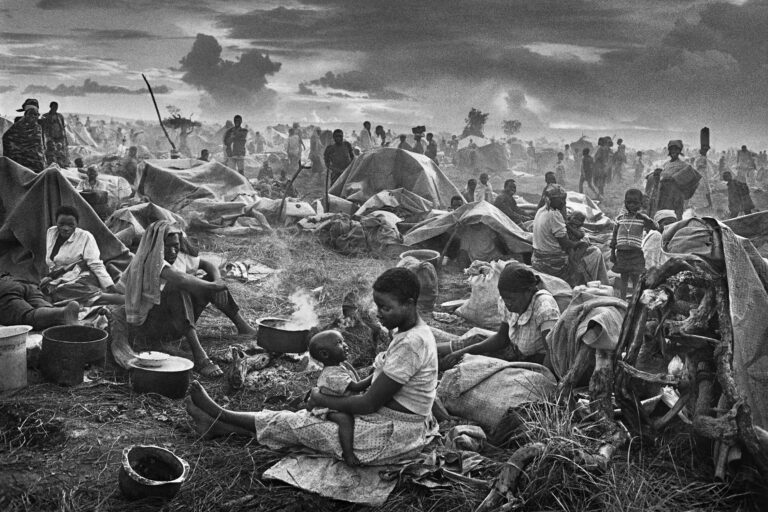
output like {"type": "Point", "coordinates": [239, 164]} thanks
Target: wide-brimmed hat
{"type": "Point", "coordinates": [29, 103]}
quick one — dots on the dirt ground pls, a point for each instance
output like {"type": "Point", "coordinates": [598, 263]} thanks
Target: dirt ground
{"type": "Point", "coordinates": [60, 447]}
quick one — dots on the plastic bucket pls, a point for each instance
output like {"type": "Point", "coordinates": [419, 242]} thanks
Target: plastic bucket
{"type": "Point", "coordinates": [426, 255]}
{"type": "Point", "coordinates": [13, 357]}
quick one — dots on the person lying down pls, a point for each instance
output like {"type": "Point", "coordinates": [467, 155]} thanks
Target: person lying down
{"type": "Point", "coordinates": [338, 378]}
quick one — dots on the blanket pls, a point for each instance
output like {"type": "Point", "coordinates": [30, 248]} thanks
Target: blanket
{"type": "Point", "coordinates": [28, 204]}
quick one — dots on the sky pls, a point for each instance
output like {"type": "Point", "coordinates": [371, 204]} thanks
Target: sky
{"type": "Point", "coordinates": [644, 70]}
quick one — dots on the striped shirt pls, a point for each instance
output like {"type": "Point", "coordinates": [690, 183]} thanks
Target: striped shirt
{"type": "Point", "coordinates": [628, 232]}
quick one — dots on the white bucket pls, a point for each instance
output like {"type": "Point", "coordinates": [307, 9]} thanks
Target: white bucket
{"type": "Point", "coordinates": [13, 357]}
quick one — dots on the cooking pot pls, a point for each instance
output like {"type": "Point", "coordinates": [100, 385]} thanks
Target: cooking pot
{"type": "Point", "coordinates": [273, 337]}
{"type": "Point", "coordinates": [151, 471]}
{"type": "Point", "coordinates": [168, 377]}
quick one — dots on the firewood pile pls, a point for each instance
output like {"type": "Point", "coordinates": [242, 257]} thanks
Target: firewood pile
{"type": "Point", "coordinates": [682, 312]}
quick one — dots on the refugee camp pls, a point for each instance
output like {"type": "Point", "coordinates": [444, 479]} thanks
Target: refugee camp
{"type": "Point", "coordinates": [404, 256]}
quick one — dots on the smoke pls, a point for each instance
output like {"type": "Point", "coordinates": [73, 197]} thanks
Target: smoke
{"type": "Point", "coordinates": [304, 316]}
{"type": "Point", "coordinates": [233, 86]}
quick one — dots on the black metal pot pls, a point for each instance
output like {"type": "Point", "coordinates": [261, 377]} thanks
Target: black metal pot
{"type": "Point", "coordinates": [151, 471]}
{"type": "Point", "coordinates": [67, 348]}
{"type": "Point", "coordinates": [170, 378]}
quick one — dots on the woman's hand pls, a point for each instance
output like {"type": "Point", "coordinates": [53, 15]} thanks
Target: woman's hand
{"type": "Point", "coordinates": [314, 397]}
{"type": "Point", "coordinates": [451, 360]}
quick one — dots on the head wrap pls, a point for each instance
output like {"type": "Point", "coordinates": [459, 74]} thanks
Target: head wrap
{"type": "Point", "coordinates": [28, 104]}
{"type": "Point", "coordinates": [676, 142]}
{"type": "Point", "coordinates": [517, 277]}
{"type": "Point", "coordinates": [554, 190]}
{"type": "Point", "coordinates": [142, 277]}
{"type": "Point", "coordinates": [664, 214]}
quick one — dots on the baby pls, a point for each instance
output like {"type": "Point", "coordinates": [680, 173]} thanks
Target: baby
{"type": "Point", "coordinates": [338, 378]}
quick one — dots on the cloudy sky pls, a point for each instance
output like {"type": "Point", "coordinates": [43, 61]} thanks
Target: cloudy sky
{"type": "Point", "coordinates": [645, 69]}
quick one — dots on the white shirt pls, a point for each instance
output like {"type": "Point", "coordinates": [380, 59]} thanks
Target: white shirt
{"type": "Point", "coordinates": [85, 185]}
{"type": "Point", "coordinates": [484, 192]}
{"type": "Point", "coordinates": [80, 246]}
{"type": "Point", "coordinates": [184, 263]}
{"type": "Point", "coordinates": [366, 141]}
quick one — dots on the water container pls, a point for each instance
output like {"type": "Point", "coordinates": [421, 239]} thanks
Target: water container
{"type": "Point", "coordinates": [13, 357]}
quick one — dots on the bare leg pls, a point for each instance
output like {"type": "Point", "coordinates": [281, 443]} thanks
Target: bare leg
{"type": "Point", "coordinates": [111, 298]}
{"type": "Point", "coordinates": [209, 426]}
{"type": "Point", "coordinates": [48, 317]}
{"type": "Point", "coordinates": [201, 399]}
{"type": "Point", "coordinates": [346, 423]}
{"type": "Point", "coordinates": [623, 287]}
{"type": "Point", "coordinates": [200, 356]}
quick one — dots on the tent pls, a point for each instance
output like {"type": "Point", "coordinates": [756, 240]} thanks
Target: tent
{"type": "Point", "coordinates": [491, 157]}
{"type": "Point", "coordinates": [28, 203]}
{"type": "Point", "coordinates": [404, 203]}
{"type": "Point", "coordinates": [391, 168]}
{"type": "Point", "coordinates": [130, 223]}
{"type": "Point", "coordinates": [469, 221]}
{"type": "Point", "coordinates": [479, 142]}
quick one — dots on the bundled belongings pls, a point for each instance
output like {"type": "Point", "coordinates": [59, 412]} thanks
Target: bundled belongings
{"type": "Point", "coordinates": [482, 156]}
{"type": "Point", "coordinates": [699, 306]}
{"type": "Point", "coordinates": [405, 204]}
{"type": "Point", "coordinates": [390, 169]}
{"type": "Point", "coordinates": [372, 234]}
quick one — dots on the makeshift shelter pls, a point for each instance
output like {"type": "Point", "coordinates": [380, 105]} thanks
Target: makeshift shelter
{"type": "Point", "coordinates": [476, 225]}
{"type": "Point", "coordinates": [28, 204]}
{"type": "Point", "coordinates": [578, 146]}
{"type": "Point", "coordinates": [478, 141]}
{"type": "Point", "coordinates": [405, 204]}
{"type": "Point", "coordinates": [389, 169]}
{"type": "Point", "coordinates": [128, 224]}
{"type": "Point", "coordinates": [491, 157]}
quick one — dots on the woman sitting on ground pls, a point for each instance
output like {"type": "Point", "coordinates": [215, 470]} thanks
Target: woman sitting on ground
{"type": "Point", "coordinates": [392, 418]}
{"type": "Point", "coordinates": [164, 299]}
{"type": "Point", "coordinates": [528, 313]}
{"type": "Point", "coordinates": [75, 269]}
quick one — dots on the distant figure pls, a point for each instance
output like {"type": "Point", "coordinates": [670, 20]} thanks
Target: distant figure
{"type": "Point", "coordinates": [382, 135]}
{"type": "Point", "coordinates": [55, 135]}
{"type": "Point", "coordinates": [721, 167]}
{"type": "Point", "coordinates": [129, 165]}
{"type": "Point", "coordinates": [671, 196]}
{"type": "Point", "coordinates": [560, 169]}
{"type": "Point", "coordinates": [601, 165]}
{"type": "Point", "coordinates": [619, 159]}
{"type": "Point", "coordinates": [484, 190]}
{"type": "Point", "coordinates": [79, 165]}
{"type": "Point", "coordinates": [587, 172]}
{"type": "Point", "coordinates": [701, 164]}
{"type": "Point", "coordinates": [205, 155]}
{"type": "Point", "coordinates": [456, 203]}
{"type": "Point", "coordinates": [745, 165]}
{"type": "Point", "coordinates": [316, 150]}
{"type": "Point", "coordinates": [739, 198]}
{"type": "Point", "coordinates": [234, 145]}
{"type": "Point", "coordinates": [260, 141]}
{"type": "Point", "coordinates": [417, 146]}
{"type": "Point", "coordinates": [403, 144]}
{"type": "Point", "coordinates": [23, 141]}
{"type": "Point", "coordinates": [338, 155]}
{"type": "Point", "coordinates": [639, 166]}
{"type": "Point", "coordinates": [366, 139]}
{"type": "Point", "coordinates": [91, 183]}
{"type": "Point", "coordinates": [431, 150]}
{"type": "Point", "coordinates": [469, 192]}
{"type": "Point", "coordinates": [293, 147]}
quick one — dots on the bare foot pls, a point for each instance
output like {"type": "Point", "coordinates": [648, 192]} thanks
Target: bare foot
{"type": "Point", "coordinates": [202, 399]}
{"type": "Point", "coordinates": [202, 422]}
{"type": "Point", "coordinates": [351, 459]}
{"type": "Point", "coordinates": [70, 312]}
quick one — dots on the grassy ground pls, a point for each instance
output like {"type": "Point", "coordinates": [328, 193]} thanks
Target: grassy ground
{"type": "Point", "coordinates": [60, 448]}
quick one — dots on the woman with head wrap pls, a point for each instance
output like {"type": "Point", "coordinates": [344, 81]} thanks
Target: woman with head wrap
{"type": "Point", "coordinates": [671, 195]}
{"type": "Point", "coordinates": [528, 313]}
{"type": "Point", "coordinates": [551, 244]}
{"type": "Point", "coordinates": [163, 298]}
{"type": "Point", "coordinates": [23, 142]}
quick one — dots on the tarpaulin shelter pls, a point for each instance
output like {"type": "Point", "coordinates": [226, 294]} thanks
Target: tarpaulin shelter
{"type": "Point", "coordinates": [478, 141]}
{"type": "Point", "coordinates": [130, 223]}
{"type": "Point", "coordinates": [491, 157]}
{"type": "Point", "coordinates": [391, 168]}
{"type": "Point", "coordinates": [402, 202]}
{"type": "Point", "coordinates": [28, 204]}
{"type": "Point", "coordinates": [470, 220]}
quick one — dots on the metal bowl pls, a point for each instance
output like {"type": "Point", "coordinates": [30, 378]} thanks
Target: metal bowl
{"type": "Point", "coordinates": [272, 337]}
{"type": "Point", "coordinates": [151, 471]}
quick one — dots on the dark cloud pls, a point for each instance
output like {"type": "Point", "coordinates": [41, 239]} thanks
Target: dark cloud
{"type": "Point", "coordinates": [113, 35]}
{"type": "Point", "coordinates": [339, 95]}
{"type": "Point", "coordinates": [306, 91]}
{"type": "Point", "coordinates": [90, 87]}
{"type": "Point", "coordinates": [68, 4]}
{"type": "Point", "coordinates": [231, 85]}
{"type": "Point", "coordinates": [7, 88]}
{"type": "Point", "coordinates": [118, 4]}
{"type": "Point", "coordinates": [357, 81]}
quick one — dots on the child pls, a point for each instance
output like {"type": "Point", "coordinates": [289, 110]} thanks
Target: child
{"type": "Point", "coordinates": [560, 169]}
{"type": "Point", "coordinates": [574, 224]}
{"type": "Point", "coordinates": [626, 244]}
{"type": "Point", "coordinates": [587, 168]}
{"type": "Point", "coordinates": [338, 378]}
{"type": "Point", "coordinates": [456, 203]}
{"type": "Point", "coordinates": [739, 199]}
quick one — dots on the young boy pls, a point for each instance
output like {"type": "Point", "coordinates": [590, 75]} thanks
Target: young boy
{"type": "Point", "coordinates": [338, 378]}
{"type": "Point", "coordinates": [739, 199]}
{"type": "Point", "coordinates": [626, 244]}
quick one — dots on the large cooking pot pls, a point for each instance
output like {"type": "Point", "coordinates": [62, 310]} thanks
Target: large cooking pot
{"type": "Point", "coordinates": [67, 348]}
{"type": "Point", "coordinates": [151, 471]}
{"type": "Point", "coordinates": [168, 377]}
{"type": "Point", "coordinates": [272, 336]}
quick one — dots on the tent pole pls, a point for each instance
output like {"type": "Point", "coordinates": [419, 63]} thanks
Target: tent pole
{"type": "Point", "coordinates": [445, 249]}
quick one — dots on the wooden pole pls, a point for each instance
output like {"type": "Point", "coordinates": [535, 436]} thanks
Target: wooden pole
{"type": "Point", "coordinates": [159, 118]}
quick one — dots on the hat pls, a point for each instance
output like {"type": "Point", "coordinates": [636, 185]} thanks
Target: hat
{"type": "Point", "coordinates": [675, 142]}
{"type": "Point", "coordinates": [29, 103]}
{"type": "Point", "coordinates": [664, 214]}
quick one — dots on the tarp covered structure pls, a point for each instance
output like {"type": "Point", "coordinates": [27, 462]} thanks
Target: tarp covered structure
{"type": "Point", "coordinates": [402, 202]}
{"type": "Point", "coordinates": [391, 168]}
{"type": "Point", "coordinates": [469, 218]}
{"type": "Point", "coordinates": [492, 157]}
{"type": "Point", "coordinates": [130, 223]}
{"type": "Point", "coordinates": [28, 204]}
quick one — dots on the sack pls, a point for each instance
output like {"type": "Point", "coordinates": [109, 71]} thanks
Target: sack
{"type": "Point", "coordinates": [482, 308]}
{"type": "Point", "coordinates": [427, 279]}
{"type": "Point", "coordinates": [482, 388]}
{"type": "Point", "coordinates": [687, 180]}
{"type": "Point", "coordinates": [693, 236]}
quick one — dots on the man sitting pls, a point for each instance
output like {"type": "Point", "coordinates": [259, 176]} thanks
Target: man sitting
{"type": "Point", "coordinates": [22, 303]}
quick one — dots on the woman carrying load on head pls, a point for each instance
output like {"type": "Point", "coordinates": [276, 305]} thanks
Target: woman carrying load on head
{"type": "Point", "coordinates": [164, 299]}
{"type": "Point", "coordinates": [528, 313]}
{"type": "Point", "coordinates": [75, 269]}
{"type": "Point", "coordinates": [551, 244]}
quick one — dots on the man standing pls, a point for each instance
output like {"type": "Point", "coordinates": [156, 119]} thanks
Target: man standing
{"type": "Point", "coordinates": [701, 164]}
{"type": "Point", "coordinates": [366, 139]}
{"type": "Point", "coordinates": [507, 203]}
{"type": "Point", "coordinates": [671, 195]}
{"type": "Point", "coordinates": [745, 165]}
{"type": "Point", "coordinates": [55, 135]}
{"type": "Point", "coordinates": [417, 146]}
{"type": "Point", "coordinates": [484, 190]}
{"type": "Point", "coordinates": [23, 141]}
{"type": "Point", "coordinates": [431, 150]}
{"type": "Point", "coordinates": [338, 155]}
{"type": "Point", "coordinates": [587, 172]}
{"type": "Point", "coordinates": [619, 159]}
{"type": "Point", "coordinates": [739, 199]}
{"type": "Point", "coordinates": [294, 146]}
{"type": "Point", "coordinates": [403, 144]}
{"type": "Point", "coordinates": [602, 165]}
{"type": "Point", "coordinates": [259, 141]}
{"type": "Point", "coordinates": [234, 145]}
{"type": "Point", "coordinates": [316, 149]}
